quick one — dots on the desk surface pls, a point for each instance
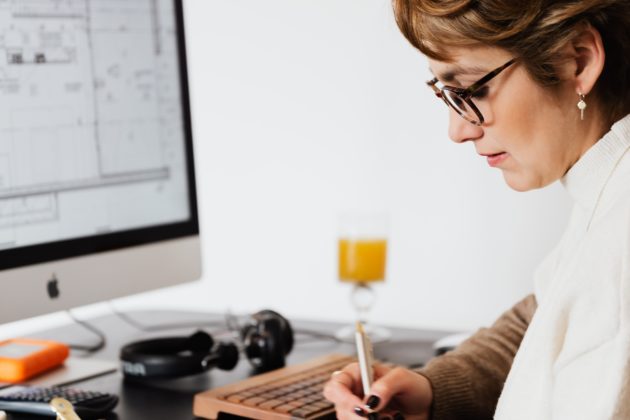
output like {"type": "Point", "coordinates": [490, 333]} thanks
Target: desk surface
{"type": "Point", "coordinates": [172, 399]}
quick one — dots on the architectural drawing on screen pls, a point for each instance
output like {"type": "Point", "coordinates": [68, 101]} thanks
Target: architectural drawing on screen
{"type": "Point", "coordinates": [85, 120]}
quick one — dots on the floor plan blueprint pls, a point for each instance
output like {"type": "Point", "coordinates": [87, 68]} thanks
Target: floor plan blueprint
{"type": "Point", "coordinates": [90, 119]}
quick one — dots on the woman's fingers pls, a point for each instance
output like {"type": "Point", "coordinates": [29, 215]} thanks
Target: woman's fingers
{"type": "Point", "coordinates": [396, 393]}
{"type": "Point", "coordinates": [341, 388]}
{"type": "Point", "coordinates": [345, 390]}
{"type": "Point", "coordinates": [410, 391]}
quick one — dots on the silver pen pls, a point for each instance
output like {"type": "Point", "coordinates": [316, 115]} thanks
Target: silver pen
{"type": "Point", "coordinates": [364, 352]}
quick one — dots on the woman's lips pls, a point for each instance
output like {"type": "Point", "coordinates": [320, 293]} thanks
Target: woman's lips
{"type": "Point", "coordinates": [496, 159]}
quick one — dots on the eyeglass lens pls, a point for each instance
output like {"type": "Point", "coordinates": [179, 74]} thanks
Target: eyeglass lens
{"type": "Point", "coordinates": [460, 106]}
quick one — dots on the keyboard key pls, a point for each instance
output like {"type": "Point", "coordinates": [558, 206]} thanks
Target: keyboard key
{"type": "Point", "coordinates": [271, 404]}
{"type": "Point", "coordinates": [236, 398]}
{"type": "Point", "coordinates": [286, 408]}
{"type": "Point", "coordinates": [254, 401]}
{"type": "Point", "coordinates": [305, 411]}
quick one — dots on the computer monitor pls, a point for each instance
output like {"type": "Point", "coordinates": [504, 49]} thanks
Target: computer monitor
{"type": "Point", "coordinates": [97, 186]}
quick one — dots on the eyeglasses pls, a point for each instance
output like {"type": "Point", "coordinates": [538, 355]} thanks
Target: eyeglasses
{"type": "Point", "coordinates": [460, 99]}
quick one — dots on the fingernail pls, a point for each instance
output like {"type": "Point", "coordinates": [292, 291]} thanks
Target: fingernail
{"type": "Point", "coordinates": [372, 402]}
{"type": "Point", "coordinates": [360, 412]}
{"type": "Point", "coordinates": [399, 416]}
{"type": "Point", "coordinates": [373, 416]}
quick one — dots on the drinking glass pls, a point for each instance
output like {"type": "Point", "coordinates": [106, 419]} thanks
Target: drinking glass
{"type": "Point", "coordinates": [362, 252]}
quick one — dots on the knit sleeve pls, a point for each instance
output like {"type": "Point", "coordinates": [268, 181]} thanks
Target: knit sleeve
{"type": "Point", "coordinates": [467, 381]}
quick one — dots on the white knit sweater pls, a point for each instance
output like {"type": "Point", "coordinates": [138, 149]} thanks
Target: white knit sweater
{"type": "Point", "coordinates": [574, 361]}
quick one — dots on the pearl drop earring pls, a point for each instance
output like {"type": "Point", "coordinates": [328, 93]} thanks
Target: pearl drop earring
{"type": "Point", "coordinates": [581, 106]}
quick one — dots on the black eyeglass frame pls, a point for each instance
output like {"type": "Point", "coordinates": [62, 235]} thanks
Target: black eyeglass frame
{"type": "Point", "coordinates": [465, 94]}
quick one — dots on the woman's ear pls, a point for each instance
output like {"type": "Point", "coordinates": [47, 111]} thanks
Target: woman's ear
{"type": "Point", "coordinates": [589, 56]}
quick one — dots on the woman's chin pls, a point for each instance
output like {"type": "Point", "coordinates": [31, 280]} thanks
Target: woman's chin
{"type": "Point", "coordinates": [519, 182]}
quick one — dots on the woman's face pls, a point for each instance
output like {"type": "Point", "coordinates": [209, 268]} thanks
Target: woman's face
{"type": "Point", "coordinates": [531, 133]}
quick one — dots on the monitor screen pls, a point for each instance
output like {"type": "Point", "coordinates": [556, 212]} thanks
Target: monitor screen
{"type": "Point", "coordinates": [95, 151]}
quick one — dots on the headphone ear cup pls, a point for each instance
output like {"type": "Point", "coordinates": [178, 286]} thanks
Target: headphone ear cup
{"type": "Point", "coordinates": [254, 345]}
{"type": "Point", "coordinates": [268, 341]}
{"type": "Point", "coordinates": [227, 356]}
{"type": "Point", "coordinates": [273, 352]}
{"type": "Point", "coordinates": [199, 342]}
{"type": "Point", "coordinates": [285, 335]}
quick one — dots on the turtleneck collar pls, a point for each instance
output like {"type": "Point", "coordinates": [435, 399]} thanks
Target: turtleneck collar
{"type": "Point", "coordinates": [586, 180]}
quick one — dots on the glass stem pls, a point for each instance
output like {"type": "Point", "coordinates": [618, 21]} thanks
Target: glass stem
{"type": "Point", "coordinates": [362, 298]}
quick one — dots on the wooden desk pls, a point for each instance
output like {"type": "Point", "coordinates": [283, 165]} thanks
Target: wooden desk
{"type": "Point", "coordinates": [172, 399]}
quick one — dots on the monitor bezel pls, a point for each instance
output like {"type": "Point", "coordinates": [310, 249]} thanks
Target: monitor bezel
{"type": "Point", "coordinates": [98, 243]}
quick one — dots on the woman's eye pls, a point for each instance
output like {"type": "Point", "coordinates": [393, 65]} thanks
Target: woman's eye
{"type": "Point", "coordinates": [481, 93]}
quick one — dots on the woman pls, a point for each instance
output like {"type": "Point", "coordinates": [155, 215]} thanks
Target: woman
{"type": "Point", "coordinates": [541, 88]}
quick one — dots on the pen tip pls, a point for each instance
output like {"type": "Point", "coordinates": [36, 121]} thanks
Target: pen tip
{"type": "Point", "coordinates": [360, 327]}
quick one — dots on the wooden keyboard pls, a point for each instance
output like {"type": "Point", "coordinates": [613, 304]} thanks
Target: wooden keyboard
{"type": "Point", "coordinates": [292, 392]}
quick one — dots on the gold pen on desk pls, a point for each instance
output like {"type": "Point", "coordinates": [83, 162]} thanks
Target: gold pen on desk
{"type": "Point", "coordinates": [364, 352]}
{"type": "Point", "coordinates": [63, 408]}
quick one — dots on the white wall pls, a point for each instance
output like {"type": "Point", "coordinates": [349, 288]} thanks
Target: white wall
{"type": "Point", "coordinates": [305, 108]}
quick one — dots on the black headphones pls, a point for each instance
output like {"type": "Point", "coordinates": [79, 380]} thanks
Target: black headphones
{"type": "Point", "coordinates": [267, 339]}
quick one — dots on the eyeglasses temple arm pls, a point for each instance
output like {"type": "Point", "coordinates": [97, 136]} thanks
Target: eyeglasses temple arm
{"type": "Point", "coordinates": [485, 79]}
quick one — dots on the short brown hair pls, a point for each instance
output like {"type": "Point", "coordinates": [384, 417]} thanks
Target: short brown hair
{"type": "Point", "coordinates": [533, 30]}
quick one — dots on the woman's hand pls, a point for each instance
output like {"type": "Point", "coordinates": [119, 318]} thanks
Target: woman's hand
{"type": "Point", "coordinates": [396, 393]}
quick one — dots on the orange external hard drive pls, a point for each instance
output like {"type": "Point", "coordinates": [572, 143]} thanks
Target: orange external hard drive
{"type": "Point", "coordinates": [22, 358]}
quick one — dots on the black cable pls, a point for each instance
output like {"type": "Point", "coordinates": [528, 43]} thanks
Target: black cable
{"type": "Point", "coordinates": [231, 323]}
{"type": "Point", "coordinates": [102, 340]}
{"type": "Point", "coordinates": [319, 335]}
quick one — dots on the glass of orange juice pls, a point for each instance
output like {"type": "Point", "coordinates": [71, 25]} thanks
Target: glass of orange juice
{"type": "Point", "coordinates": [362, 253]}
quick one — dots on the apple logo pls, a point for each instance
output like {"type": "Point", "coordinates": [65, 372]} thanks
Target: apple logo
{"type": "Point", "coordinates": [53, 287]}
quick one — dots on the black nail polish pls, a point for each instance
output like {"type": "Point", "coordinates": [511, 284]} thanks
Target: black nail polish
{"type": "Point", "coordinates": [373, 416]}
{"type": "Point", "coordinates": [373, 402]}
{"type": "Point", "coordinates": [399, 416]}
{"type": "Point", "coordinates": [360, 412]}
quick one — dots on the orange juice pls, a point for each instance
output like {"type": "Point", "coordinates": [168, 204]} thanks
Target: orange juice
{"type": "Point", "coordinates": [362, 260]}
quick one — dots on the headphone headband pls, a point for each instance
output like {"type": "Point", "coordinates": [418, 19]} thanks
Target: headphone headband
{"type": "Point", "coordinates": [167, 357]}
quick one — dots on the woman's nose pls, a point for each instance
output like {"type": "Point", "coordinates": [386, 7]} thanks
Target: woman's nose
{"type": "Point", "coordinates": [460, 130]}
